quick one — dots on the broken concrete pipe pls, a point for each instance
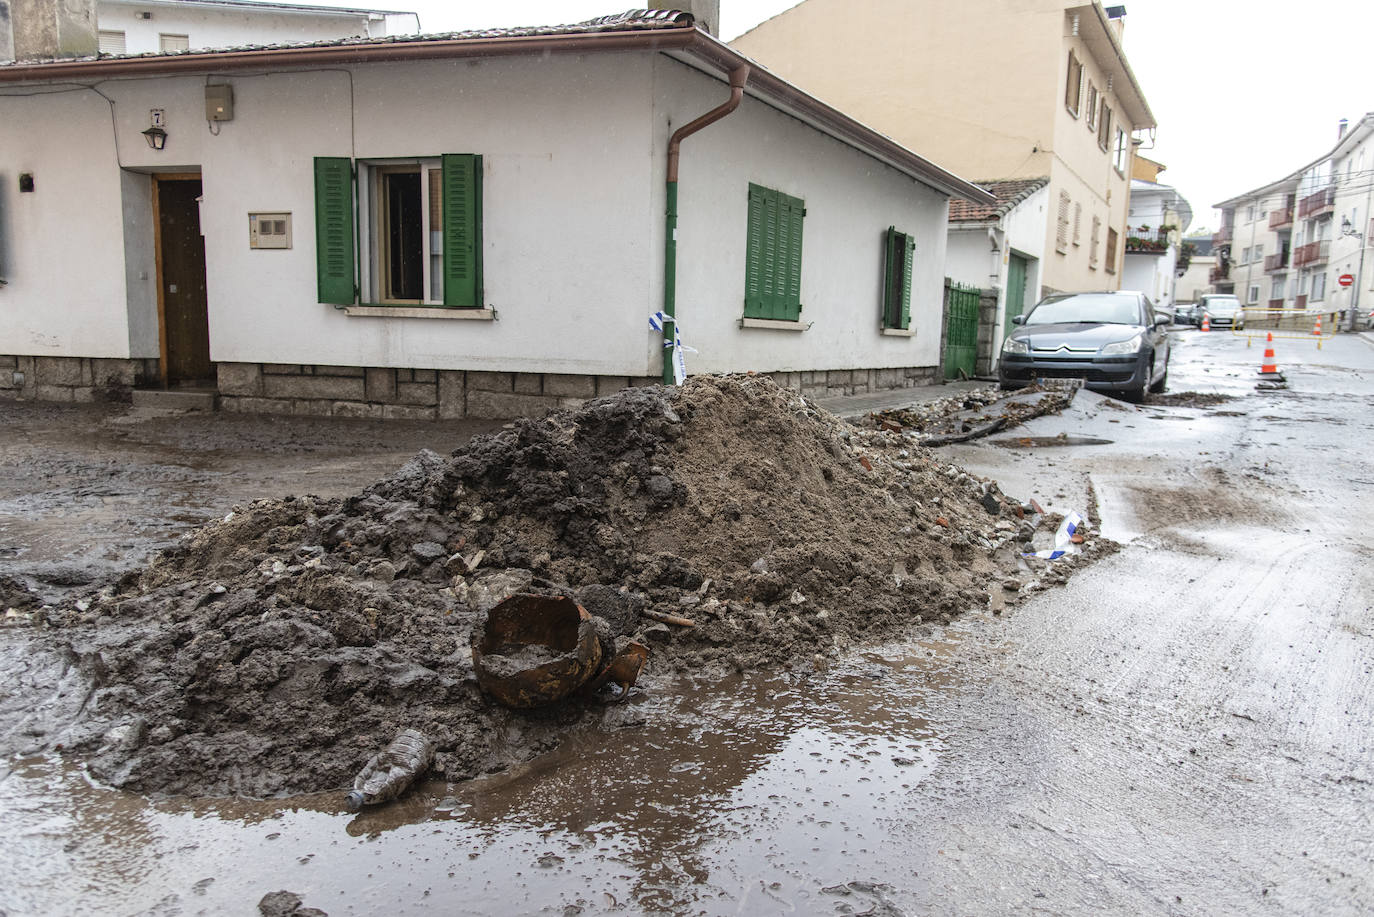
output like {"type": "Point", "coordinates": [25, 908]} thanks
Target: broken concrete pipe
{"type": "Point", "coordinates": [533, 650]}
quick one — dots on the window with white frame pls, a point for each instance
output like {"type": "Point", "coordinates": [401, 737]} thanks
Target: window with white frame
{"type": "Point", "coordinates": [1092, 243]}
{"type": "Point", "coordinates": [1250, 214]}
{"type": "Point", "coordinates": [1279, 288]}
{"type": "Point", "coordinates": [1254, 294]}
{"type": "Point", "coordinates": [420, 228]}
{"type": "Point", "coordinates": [1319, 286]}
{"type": "Point", "coordinates": [1061, 237]}
{"type": "Point", "coordinates": [1092, 106]}
{"type": "Point", "coordinates": [1258, 253]}
{"type": "Point", "coordinates": [166, 42]}
{"type": "Point", "coordinates": [1077, 222]}
{"type": "Point", "coordinates": [1122, 152]}
{"type": "Point", "coordinates": [1073, 87]}
{"type": "Point", "coordinates": [1245, 255]}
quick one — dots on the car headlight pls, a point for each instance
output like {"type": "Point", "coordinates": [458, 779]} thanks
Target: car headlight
{"type": "Point", "coordinates": [1131, 345]}
{"type": "Point", "coordinates": [1015, 345]}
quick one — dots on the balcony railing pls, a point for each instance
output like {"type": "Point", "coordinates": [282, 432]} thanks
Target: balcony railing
{"type": "Point", "coordinates": [1275, 262]}
{"type": "Point", "coordinates": [1156, 243]}
{"type": "Point", "coordinates": [1312, 253]}
{"type": "Point", "coordinates": [1219, 273]}
{"type": "Point", "coordinates": [1317, 204]}
{"type": "Point", "coordinates": [1280, 218]}
{"type": "Point", "coordinates": [1276, 303]}
{"type": "Point", "coordinates": [1222, 236]}
{"type": "Point", "coordinates": [1301, 302]}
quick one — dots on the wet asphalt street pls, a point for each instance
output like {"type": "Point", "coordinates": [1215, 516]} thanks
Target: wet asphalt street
{"type": "Point", "coordinates": [1186, 727]}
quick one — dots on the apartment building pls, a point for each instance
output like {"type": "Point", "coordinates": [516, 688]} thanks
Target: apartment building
{"type": "Point", "coordinates": [1287, 244]}
{"type": "Point", "coordinates": [1039, 88]}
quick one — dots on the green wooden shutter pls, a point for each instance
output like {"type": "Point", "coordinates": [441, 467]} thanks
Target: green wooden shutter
{"type": "Point", "coordinates": [889, 275]}
{"type": "Point", "coordinates": [334, 230]}
{"type": "Point", "coordinates": [909, 257]}
{"type": "Point", "coordinates": [462, 229]}
{"type": "Point", "coordinates": [772, 266]}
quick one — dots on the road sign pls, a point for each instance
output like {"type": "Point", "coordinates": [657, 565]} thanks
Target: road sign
{"type": "Point", "coordinates": [1346, 280]}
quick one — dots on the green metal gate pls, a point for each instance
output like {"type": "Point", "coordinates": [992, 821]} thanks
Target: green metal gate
{"type": "Point", "coordinates": [961, 330]}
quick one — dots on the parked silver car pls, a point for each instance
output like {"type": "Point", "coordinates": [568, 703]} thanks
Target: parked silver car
{"type": "Point", "coordinates": [1113, 341]}
{"type": "Point", "coordinates": [1222, 310]}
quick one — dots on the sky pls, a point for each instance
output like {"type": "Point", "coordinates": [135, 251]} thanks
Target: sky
{"type": "Point", "coordinates": [1244, 92]}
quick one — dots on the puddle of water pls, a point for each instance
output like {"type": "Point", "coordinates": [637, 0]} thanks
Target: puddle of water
{"type": "Point", "coordinates": [1036, 442]}
{"type": "Point", "coordinates": [754, 794]}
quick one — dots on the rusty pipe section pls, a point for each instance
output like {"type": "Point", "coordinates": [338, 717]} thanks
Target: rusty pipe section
{"type": "Point", "coordinates": [738, 76]}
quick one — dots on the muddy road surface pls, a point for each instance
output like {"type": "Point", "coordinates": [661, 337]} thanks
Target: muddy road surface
{"type": "Point", "coordinates": [1185, 727]}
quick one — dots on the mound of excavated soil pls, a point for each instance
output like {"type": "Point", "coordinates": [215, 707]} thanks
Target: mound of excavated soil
{"type": "Point", "coordinates": [276, 650]}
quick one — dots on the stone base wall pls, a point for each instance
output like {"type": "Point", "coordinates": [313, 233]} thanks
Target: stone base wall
{"type": "Point", "coordinates": [73, 378]}
{"type": "Point", "coordinates": [987, 326]}
{"type": "Point", "coordinates": [401, 394]}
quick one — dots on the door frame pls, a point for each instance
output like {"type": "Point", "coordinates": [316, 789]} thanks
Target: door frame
{"type": "Point", "coordinates": [157, 179]}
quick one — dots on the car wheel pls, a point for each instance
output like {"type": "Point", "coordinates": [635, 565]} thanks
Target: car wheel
{"type": "Point", "coordinates": [1158, 387]}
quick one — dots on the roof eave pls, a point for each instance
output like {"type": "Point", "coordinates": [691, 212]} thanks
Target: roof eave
{"type": "Point", "coordinates": [1134, 101]}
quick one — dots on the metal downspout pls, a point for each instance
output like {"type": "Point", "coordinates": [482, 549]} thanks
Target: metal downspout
{"type": "Point", "coordinates": [738, 76]}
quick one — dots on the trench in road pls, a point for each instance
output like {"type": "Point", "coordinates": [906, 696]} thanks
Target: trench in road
{"type": "Point", "coordinates": [1183, 728]}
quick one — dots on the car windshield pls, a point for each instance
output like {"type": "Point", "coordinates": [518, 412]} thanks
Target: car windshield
{"type": "Point", "coordinates": [1223, 305]}
{"type": "Point", "coordinates": [1104, 308]}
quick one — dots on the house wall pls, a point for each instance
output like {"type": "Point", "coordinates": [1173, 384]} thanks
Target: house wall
{"type": "Point", "coordinates": [1354, 202]}
{"type": "Point", "coordinates": [925, 78]}
{"type": "Point", "coordinates": [225, 28]}
{"type": "Point", "coordinates": [851, 200]}
{"type": "Point", "coordinates": [1196, 280]}
{"type": "Point", "coordinates": [573, 202]}
{"type": "Point", "coordinates": [972, 260]}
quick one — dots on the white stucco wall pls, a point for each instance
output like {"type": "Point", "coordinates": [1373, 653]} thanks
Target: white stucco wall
{"type": "Point", "coordinates": [228, 27]}
{"type": "Point", "coordinates": [573, 203]}
{"type": "Point", "coordinates": [851, 200]}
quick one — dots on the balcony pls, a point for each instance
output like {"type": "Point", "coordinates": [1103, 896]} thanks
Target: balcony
{"type": "Point", "coordinates": [1315, 205]}
{"type": "Point", "coordinates": [1280, 219]}
{"type": "Point", "coordinates": [1301, 302]}
{"type": "Point", "coordinates": [1276, 303]}
{"type": "Point", "coordinates": [1312, 253]}
{"type": "Point", "coordinates": [1277, 262]}
{"type": "Point", "coordinates": [1147, 244]}
{"type": "Point", "coordinates": [1223, 236]}
{"type": "Point", "coordinates": [1219, 273]}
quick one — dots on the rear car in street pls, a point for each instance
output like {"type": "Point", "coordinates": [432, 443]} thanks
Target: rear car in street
{"type": "Point", "coordinates": [1113, 341]}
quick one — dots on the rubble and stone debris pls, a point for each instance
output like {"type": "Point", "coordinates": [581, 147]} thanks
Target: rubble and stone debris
{"type": "Point", "coordinates": [974, 414]}
{"type": "Point", "coordinates": [274, 651]}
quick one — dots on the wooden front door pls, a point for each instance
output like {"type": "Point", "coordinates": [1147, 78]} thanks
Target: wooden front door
{"type": "Point", "coordinates": [184, 325]}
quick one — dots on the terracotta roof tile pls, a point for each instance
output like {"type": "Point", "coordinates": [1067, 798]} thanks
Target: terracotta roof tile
{"type": "Point", "coordinates": [1008, 194]}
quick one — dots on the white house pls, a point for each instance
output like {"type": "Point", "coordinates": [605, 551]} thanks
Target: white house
{"type": "Point", "coordinates": [469, 224]}
{"type": "Point", "coordinates": [999, 247]}
{"type": "Point", "coordinates": [1158, 218]}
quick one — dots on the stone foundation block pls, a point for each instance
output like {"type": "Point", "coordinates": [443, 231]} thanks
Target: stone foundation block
{"type": "Point", "coordinates": [380, 385]}
{"type": "Point", "coordinates": [417, 393]}
{"type": "Point", "coordinates": [408, 412]}
{"type": "Point", "coordinates": [283, 369]}
{"type": "Point", "coordinates": [490, 382]}
{"type": "Point", "coordinates": [529, 383]}
{"type": "Point", "coordinates": [609, 385]}
{"type": "Point", "coordinates": [356, 409]}
{"type": "Point", "coordinates": [453, 393]}
{"type": "Point", "coordinates": [59, 371]}
{"type": "Point", "coordinates": [54, 392]}
{"type": "Point", "coordinates": [501, 405]}
{"type": "Point", "coordinates": [351, 371]}
{"type": "Point", "coordinates": [239, 379]}
{"type": "Point", "coordinates": [570, 386]}
{"type": "Point", "coordinates": [326, 388]}
{"type": "Point", "coordinates": [422, 375]}
{"type": "Point", "coordinates": [256, 405]}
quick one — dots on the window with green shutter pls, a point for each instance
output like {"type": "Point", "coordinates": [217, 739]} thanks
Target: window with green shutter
{"type": "Point", "coordinates": [419, 230]}
{"type": "Point", "coordinates": [772, 265]}
{"type": "Point", "coordinates": [899, 252]}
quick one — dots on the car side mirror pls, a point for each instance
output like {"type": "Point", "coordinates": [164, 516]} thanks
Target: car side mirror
{"type": "Point", "coordinates": [1018, 319]}
{"type": "Point", "coordinates": [1162, 321]}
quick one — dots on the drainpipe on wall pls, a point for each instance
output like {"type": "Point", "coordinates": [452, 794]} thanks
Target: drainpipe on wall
{"type": "Point", "coordinates": [738, 76]}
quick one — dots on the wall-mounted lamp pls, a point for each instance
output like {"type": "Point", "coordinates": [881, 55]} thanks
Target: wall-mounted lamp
{"type": "Point", "coordinates": [156, 137]}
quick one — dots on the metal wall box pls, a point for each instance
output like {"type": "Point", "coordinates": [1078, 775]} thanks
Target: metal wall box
{"type": "Point", "coordinates": [269, 230]}
{"type": "Point", "coordinates": [219, 102]}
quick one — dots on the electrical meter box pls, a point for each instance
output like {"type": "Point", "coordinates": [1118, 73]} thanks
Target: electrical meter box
{"type": "Point", "coordinates": [219, 102]}
{"type": "Point", "coordinates": [269, 230]}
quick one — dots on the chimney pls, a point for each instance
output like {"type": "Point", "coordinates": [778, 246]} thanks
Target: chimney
{"type": "Point", "coordinates": [1117, 15]}
{"type": "Point", "coordinates": [46, 29]}
{"type": "Point", "coordinates": [1342, 128]}
{"type": "Point", "coordinates": [706, 12]}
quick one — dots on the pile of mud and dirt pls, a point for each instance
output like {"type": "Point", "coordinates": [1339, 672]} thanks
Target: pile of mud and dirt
{"type": "Point", "coordinates": [274, 651]}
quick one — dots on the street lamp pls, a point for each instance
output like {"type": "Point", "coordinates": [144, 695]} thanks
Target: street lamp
{"type": "Point", "coordinates": [1349, 230]}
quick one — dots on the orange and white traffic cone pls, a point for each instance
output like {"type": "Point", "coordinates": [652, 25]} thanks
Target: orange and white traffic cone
{"type": "Point", "coordinates": [1270, 367]}
{"type": "Point", "coordinates": [1317, 328]}
{"type": "Point", "coordinates": [1206, 322]}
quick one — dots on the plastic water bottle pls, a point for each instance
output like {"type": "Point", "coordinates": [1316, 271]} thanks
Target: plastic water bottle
{"type": "Point", "coordinates": [392, 770]}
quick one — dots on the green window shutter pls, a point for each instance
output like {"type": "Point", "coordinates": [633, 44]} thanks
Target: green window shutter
{"type": "Point", "coordinates": [462, 229]}
{"type": "Point", "coordinates": [889, 274]}
{"type": "Point", "coordinates": [772, 270]}
{"type": "Point", "coordinates": [909, 257]}
{"type": "Point", "coordinates": [334, 229]}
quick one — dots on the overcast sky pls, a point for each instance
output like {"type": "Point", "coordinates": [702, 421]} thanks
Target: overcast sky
{"type": "Point", "coordinates": [1244, 92]}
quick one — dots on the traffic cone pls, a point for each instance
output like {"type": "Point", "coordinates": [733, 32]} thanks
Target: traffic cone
{"type": "Point", "coordinates": [1317, 328]}
{"type": "Point", "coordinates": [1206, 322]}
{"type": "Point", "coordinates": [1270, 368]}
